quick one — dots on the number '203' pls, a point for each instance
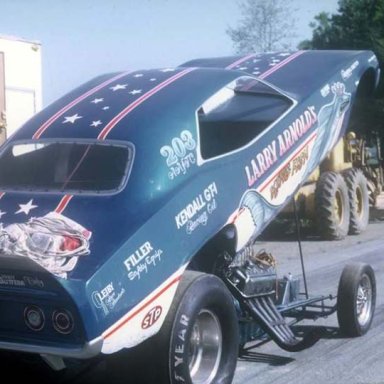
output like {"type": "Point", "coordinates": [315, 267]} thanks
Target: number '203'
{"type": "Point", "coordinates": [178, 149]}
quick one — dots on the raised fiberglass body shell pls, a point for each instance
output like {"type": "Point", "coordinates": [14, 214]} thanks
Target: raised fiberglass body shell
{"type": "Point", "coordinates": [141, 236]}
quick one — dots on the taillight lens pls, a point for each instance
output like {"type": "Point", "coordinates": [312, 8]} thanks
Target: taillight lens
{"type": "Point", "coordinates": [34, 317]}
{"type": "Point", "coordinates": [62, 321]}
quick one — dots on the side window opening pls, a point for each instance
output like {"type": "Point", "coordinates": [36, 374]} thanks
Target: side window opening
{"type": "Point", "coordinates": [237, 114]}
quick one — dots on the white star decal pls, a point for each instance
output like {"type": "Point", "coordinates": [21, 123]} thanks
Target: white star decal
{"type": "Point", "coordinates": [138, 75]}
{"type": "Point", "coordinates": [96, 123]}
{"type": "Point", "coordinates": [135, 91]}
{"type": "Point", "coordinates": [71, 119]}
{"type": "Point", "coordinates": [105, 108]}
{"type": "Point", "coordinates": [95, 101]}
{"type": "Point", "coordinates": [2, 213]}
{"type": "Point", "coordinates": [25, 208]}
{"type": "Point", "coordinates": [153, 79]}
{"type": "Point", "coordinates": [243, 68]}
{"type": "Point", "coordinates": [118, 86]}
{"type": "Point", "coordinates": [168, 70]}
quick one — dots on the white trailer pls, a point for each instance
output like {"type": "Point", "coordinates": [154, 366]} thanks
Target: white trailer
{"type": "Point", "coordinates": [20, 83]}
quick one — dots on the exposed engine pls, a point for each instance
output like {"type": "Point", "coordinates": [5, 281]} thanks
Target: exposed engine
{"type": "Point", "coordinates": [252, 272]}
{"type": "Point", "coordinates": [251, 277]}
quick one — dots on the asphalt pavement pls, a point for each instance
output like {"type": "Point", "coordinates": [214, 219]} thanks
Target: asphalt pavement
{"type": "Point", "coordinates": [334, 359]}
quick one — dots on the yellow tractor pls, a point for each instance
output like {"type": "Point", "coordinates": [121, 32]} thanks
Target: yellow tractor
{"type": "Point", "coordinates": [338, 194]}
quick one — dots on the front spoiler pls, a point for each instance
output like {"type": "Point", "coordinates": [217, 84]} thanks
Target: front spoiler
{"type": "Point", "coordinates": [87, 351]}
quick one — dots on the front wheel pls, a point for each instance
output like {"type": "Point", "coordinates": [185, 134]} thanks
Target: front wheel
{"type": "Point", "coordinates": [356, 299]}
{"type": "Point", "coordinates": [199, 338]}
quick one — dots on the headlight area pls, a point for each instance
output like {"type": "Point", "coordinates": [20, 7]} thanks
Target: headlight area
{"type": "Point", "coordinates": [42, 322]}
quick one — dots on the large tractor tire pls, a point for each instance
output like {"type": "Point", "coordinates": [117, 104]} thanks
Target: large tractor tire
{"type": "Point", "coordinates": [358, 200]}
{"type": "Point", "coordinates": [332, 206]}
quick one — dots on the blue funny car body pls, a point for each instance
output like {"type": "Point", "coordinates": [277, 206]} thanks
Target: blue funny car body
{"type": "Point", "coordinates": [115, 190]}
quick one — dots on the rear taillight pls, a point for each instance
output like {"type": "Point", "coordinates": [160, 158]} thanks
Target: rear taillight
{"type": "Point", "coordinates": [34, 317]}
{"type": "Point", "coordinates": [62, 321]}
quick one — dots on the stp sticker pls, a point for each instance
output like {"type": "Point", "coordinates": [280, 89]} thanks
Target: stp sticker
{"type": "Point", "coordinates": [151, 317]}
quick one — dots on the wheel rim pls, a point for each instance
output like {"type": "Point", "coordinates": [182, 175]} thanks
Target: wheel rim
{"type": "Point", "coordinates": [359, 202]}
{"type": "Point", "coordinates": [364, 300]}
{"type": "Point", "coordinates": [205, 348]}
{"type": "Point", "coordinates": [338, 207]}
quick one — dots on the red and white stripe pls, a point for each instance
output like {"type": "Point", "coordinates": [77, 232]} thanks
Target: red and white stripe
{"type": "Point", "coordinates": [140, 308]}
{"type": "Point", "coordinates": [107, 129]}
{"type": "Point", "coordinates": [269, 71]}
{"type": "Point", "coordinates": [281, 64]}
{"type": "Point", "coordinates": [63, 203]}
{"type": "Point", "coordinates": [128, 331]}
{"type": "Point", "coordinates": [241, 60]}
{"type": "Point", "coordinates": [65, 109]}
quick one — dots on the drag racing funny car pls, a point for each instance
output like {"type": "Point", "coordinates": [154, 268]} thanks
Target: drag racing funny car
{"type": "Point", "coordinates": [129, 210]}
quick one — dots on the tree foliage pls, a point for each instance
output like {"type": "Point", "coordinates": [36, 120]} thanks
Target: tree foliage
{"type": "Point", "coordinates": [358, 24]}
{"type": "Point", "coordinates": [264, 26]}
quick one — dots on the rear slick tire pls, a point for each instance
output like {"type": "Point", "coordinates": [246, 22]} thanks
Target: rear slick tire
{"type": "Point", "coordinates": [199, 340]}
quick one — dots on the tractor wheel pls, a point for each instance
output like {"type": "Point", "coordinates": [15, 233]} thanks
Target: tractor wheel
{"type": "Point", "coordinates": [356, 298]}
{"type": "Point", "coordinates": [358, 200]}
{"type": "Point", "coordinates": [332, 206]}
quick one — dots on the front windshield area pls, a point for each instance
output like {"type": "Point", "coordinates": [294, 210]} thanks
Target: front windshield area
{"type": "Point", "coordinates": [65, 166]}
{"type": "Point", "coordinates": [238, 113]}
